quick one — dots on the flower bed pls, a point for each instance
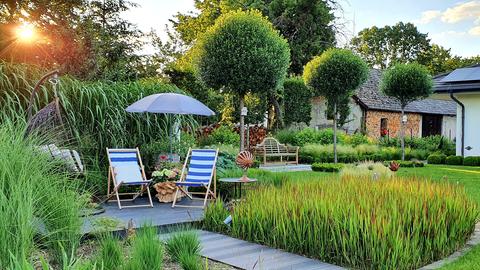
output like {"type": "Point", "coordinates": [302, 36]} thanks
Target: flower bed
{"type": "Point", "coordinates": [359, 223]}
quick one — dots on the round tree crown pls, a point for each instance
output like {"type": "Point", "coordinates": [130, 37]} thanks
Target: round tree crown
{"type": "Point", "coordinates": [407, 82]}
{"type": "Point", "coordinates": [335, 74]}
{"type": "Point", "coordinates": [243, 53]}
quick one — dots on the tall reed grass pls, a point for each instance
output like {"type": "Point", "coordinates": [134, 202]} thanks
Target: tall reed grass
{"type": "Point", "coordinates": [39, 204]}
{"type": "Point", "coordinates": [359, 223]}
{"type": "Point", "coordinates": [95, 111]}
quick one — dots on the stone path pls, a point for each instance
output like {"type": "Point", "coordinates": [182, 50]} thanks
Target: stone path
{"type": "Point", "coordinates": [246, 255]}
{"type": "Point", "coordinates": [286, 168]}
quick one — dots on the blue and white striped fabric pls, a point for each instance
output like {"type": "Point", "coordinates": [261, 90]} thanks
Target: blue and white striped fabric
{"type": "Point", "coordinates": [200, 170]}
{"type": "Point", "coordinates": [126, 167]}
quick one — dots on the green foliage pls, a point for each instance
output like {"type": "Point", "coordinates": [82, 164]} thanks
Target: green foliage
{"type": "Point", "coordinates": [190, 261]}
{"type": "Point", "coordinates": [146, 251]}
{"type": "Point", "coordinates": [356, 139]}
{"type": "Point", "coordinates": [256, 60]}
{"type": "Point", "coordinates": [471, 161]}
{"type": "Point", "coordinates": [33, 188]}
{"type": "Point", "coordinates": [214, 215]}
{"type": "Point", "coordinates": [359, 223]}
{"type": "Point", "coordinates": [454, 160]}
{"type": "Point", "coordinates": [335, 74]}
{"type": "Point", "coordinates": [407, 83]}
{"type": "Point", "coordinates": [407, 164]}
{"type": "Point", "coordinates": [429, 144]}
{"type": "Point", "coordinates": [306, 24]}
{"type": "Point", "coordinates": [225, 135]}
{"type": "Point", "coordinates": [436, 159]}
{"type": "Point", "coordinates": [296, 101]}
{"type": "Point", "coordinates": [183, 243]}
{"type": "Point", "coordinates": [401, 43]}
{"type": "Point", "coordinates": [110, 256]}
{"type": "Point", "coordinates": [366, 170]}
{"type": "Point", "coordinates": [327, 167]}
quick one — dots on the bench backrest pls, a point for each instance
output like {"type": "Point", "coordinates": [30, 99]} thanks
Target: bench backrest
{"type": "Point", "coordinates": [271, 146]}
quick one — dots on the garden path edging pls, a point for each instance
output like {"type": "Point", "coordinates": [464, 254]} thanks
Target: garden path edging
{"type": "Point", "coordinates": [473, 241]}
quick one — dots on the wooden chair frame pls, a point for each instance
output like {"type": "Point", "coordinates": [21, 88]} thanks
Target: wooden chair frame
{"type": "Point", "coordinates": [116, 186]}
{"type": "Point", "coordinates": [208, 193]}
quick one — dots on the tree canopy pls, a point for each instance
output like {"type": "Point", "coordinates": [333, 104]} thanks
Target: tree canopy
{"type": "Point", "coordinates": [306, 24]}
{"type": "Point", "coordinates": [407, 83]}
{"type": "Point", "coordinates": [243, 53]}
{"type": "Point", "coordinates": [386, 46]}
{"type": "Point", "coordinates": [297, 101]}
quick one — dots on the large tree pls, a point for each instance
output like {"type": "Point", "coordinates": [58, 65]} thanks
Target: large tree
{"type": "Point", "coordinates": [242, 53]}
{"type": "Point", "coordinates": [306, 24]}
{"type": "Point", "coordinates": [386, 46]}
{"type": "Point", "coordinates": [406, 83]}
{"type": "Point", "coordinates": [85, 38]}
{"type": "Point", "coordinates": [335, 75]}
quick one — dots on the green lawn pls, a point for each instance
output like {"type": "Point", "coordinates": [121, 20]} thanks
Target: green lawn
{"type": "Point", "coordinates": [469, 177]}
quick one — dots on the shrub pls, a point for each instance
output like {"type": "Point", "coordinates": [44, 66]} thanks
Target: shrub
{"type": "Point", "coordinates": [297, 101]}
{"type": "Point", "coordinates": [185, 243]}
{"type": "Point", "coordinates": [454, 160]}
{"type": "Point", "coordinates": [286, 136]}
{"type": "Point", "coordinates": [367, 170]}
{"type": "Point", "coordinates": [356, 139]}
{"type": "Point", "coordinates": [327, 167]}
{"type": "Point", "coordinates": [359, 223]}
{"type": "Point", "coordinates": [407, 164]}
{"type": "Point", "coordinates": [146, 251]}
{"type": "Point", "coordinates": [225, 135]}
{"type": "Point", "coordinates": [436, 159]}
{"type": "Point", "coordinates": [471, 161]}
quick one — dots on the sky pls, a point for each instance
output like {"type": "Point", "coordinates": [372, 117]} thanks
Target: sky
{"type": "Point", "coordinates": [450, 23]}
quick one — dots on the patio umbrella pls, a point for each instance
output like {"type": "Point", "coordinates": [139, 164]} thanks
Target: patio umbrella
{"type": "Point", "coordinates": [170, 103]}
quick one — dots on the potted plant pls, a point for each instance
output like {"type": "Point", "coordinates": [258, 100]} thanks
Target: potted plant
{"type": "Point", "coordinates": [164, 177]}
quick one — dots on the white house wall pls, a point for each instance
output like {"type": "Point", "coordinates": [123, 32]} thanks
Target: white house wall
{"type": "Point", "coordinates": [472, 124]}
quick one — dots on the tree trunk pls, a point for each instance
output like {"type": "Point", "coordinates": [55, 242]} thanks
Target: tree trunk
{"type": "Point", "coordinates": [402, 133]}
{"type": "Point", "coordinates": [242, 124]}
{"type": "Point", "coordinates": [335, 133]}
{"type": "Point", "coordinates": [278, 112]}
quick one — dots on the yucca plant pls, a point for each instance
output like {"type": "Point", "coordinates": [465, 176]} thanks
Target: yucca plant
{"type": "Point", "coordinates": [386, 224]}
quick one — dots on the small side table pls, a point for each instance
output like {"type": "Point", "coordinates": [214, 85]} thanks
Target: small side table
{"type": "Point", "coordinates": [238, 184]}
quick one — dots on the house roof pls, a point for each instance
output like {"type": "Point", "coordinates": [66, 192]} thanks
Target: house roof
{"type": "Point", "coordinates": [444, 83]}
{"type": "Point", "coordinates": [370, 97]}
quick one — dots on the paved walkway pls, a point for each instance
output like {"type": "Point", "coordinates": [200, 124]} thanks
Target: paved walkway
{"type": "Point", "coordinates": [286, 168]}
{"type": "Point", "coordinates": [161, 214]}
{"type": "Point", "coordinates": [246, 255]}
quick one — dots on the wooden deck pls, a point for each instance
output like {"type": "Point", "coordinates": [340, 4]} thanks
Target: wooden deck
{"type": "Point", "coordinates": [246, 255]}
{"type": "Point", "coordinates": [162, 214]}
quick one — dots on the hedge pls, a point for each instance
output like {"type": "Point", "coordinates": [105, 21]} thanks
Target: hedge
{"type": "Point", "coordinates": [471, 161]}
{"type": "Point", "coordinates": [327, 167]}
{"type": "Point", "coordinates": [436, 159]}
{"type": "Point", "coordinates": [454, 160]}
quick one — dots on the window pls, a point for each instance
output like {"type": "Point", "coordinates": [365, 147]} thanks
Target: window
{"type": "Point", "coordinates": [383, 127]}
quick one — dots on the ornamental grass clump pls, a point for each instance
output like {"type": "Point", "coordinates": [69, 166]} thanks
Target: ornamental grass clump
{"type": "Point", "coordinates": [367, 169]}
{"type": "Point", "coordinates": [386, 224]}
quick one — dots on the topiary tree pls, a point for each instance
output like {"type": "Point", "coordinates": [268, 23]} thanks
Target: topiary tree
{"type": "Point", "coordinates": [406, 83]}
{"type": "Point", "coordinates": [335, 75]}
{"type": "Point", "coordinates": [297, 101]}
{"type": "Point", "coordinates": [243, 53]}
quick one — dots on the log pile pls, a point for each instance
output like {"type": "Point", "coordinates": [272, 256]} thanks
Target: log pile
{"type": "Point", "coordinates": [166, 192]}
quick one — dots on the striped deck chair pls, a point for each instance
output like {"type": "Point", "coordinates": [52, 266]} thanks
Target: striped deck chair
{"type": "Point", "coordinates": [126, 169]}
{"type": "Point", "coordinates": [201, 171]}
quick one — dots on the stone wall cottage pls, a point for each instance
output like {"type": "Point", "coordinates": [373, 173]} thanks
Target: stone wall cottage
{"type": "Point", "coordinates": [377, 115]}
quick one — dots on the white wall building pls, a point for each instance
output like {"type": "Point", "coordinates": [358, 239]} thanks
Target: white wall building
{"type": "Point", "coordinates": [463, 86]}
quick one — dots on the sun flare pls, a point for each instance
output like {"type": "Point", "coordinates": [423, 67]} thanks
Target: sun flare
{"type": "Point", "coordinates": [26, 32]}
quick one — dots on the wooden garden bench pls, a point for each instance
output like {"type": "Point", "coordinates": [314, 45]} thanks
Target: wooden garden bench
{"type": "Point", "coordinates": [270, 147]}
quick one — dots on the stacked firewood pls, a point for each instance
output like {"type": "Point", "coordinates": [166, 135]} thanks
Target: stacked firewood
{"type": "Point", "coordinates": [166, 191]}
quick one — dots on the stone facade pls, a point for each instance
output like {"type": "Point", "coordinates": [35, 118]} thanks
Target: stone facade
{"type": "Point", "coordinates": [320, 121]}
{"type": "Point", "coordinates": [373, 121]}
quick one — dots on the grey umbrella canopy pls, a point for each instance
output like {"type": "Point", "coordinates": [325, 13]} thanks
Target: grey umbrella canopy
{"type": "Point", "coordinates": [170, 103]}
